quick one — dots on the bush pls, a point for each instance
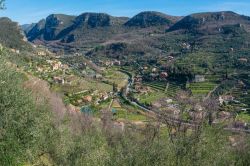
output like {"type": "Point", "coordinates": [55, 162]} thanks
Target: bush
{"type": "Point", "coordinates": [23, 124]}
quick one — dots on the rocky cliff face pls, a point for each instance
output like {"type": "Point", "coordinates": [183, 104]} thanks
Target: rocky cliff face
{"type": "Point", "coordinates": [210, 22]}
{"type": "Point", "coordinates": [11, 35]}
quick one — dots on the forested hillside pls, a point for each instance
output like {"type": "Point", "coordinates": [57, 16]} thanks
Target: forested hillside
{"type": "Point", "coordinates": [151, 90]}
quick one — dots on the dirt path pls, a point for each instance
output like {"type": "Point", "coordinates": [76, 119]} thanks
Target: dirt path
{"type": "Point", "coordinates": [210, 93]}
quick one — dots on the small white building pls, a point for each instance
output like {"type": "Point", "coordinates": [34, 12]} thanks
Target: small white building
{"type": "Point", "coordinates": [199, 78]}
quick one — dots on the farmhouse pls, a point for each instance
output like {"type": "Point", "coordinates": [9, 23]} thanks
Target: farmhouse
{"type": "Point", "coordinates": [87, 99]}
{"type": "Point", "coordinates": [153, 76]}
{"type": "Point", "coordinates": [169, 101]}
{"type": "Point", "coordinates": [104, 96]}
{"type": "Point", "coordinates": [109, 63]}
{"type": "Point", "coordinates": [58, 80]}
{"type": "Point", "coordinates": [199, 78]}
{"type": "Point", "coordinates": [39, 69]}
{"type": "Point", "coordinates": [116, 62]}
{"type": "Point", "coordinates": [170, 58]}
{"type": "Point", "coordinates": [226, 99]}
{"type": "Point", "coordinates": [157, 105]}
{"type": "Point", "coordinates": [138, 78]}
{"type": "Point", "coordinates": [98, 76]}
{"type": "Point", "coordinates": [163, 75]}
{"type": "Point", "coordinates": [243, 60]}
{"type": "Point", "coordinates": [41, 53]}
{"type": "Point", "coordinates": [154, 70]}
{"type": "Point", "coordinates": [186, 46]}
{"type": "Point", "coordinates": [56, 66]}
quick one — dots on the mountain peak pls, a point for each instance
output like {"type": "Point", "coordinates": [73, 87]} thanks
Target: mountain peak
{"type": "Point", "coordinates": [151, 18]}
{"type": "Point", "coordinates": [210, 20]}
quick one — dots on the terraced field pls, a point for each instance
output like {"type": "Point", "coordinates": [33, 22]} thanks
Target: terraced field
{"type": "Point", "coordinates": [169, 89]}
{"type": "Point", "coordinates": [201, 88]}
{"type": "Point", "coordinates": [117, 77]}
{"type": "Point", "coordinates": [151, 97]}
{"type": "Point", "coordinates": [128, 115]}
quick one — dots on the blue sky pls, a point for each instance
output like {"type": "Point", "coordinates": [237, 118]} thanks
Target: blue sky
{"type": "Point", "coordinates": [28, 11]}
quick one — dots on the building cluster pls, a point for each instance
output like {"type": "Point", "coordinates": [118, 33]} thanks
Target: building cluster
{"type": "Point", "coordinates": [57, 65]}
{"type": "Point", "coordinates": [95, 97]}
{"type": "Point", "coordinates": [15, 51]}
{"type": "Point", "coordinates": [139, 87]}
{"type": "Point", "coordinates": [109, 63]}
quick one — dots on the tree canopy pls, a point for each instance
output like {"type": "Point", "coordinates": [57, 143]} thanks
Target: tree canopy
{"type": "Point", "coordinates": [2, 4]}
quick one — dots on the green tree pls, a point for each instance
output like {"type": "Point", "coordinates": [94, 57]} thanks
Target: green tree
{"type": "Point", "coordinates": [2, 3]}
{"type": "Point", "coordinates": [24, 124]}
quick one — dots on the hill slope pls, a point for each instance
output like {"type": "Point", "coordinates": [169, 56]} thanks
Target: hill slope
{"type": "Point", "coordinates": [211, 22]}
{"type": "Point", "coordinates": [11, 34]}
{"type": "Point", "coordinates": [148, 19]}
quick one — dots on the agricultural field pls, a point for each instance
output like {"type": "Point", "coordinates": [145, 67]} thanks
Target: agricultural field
{"type": "Point", "coordinates": [117, 77]}
{"type": "Point", "coordinates": [150, 97]}
{"type": "Point", "coordinates": [124, 114]}
{"type": "Point", "coordinates": [80, 84]}
{"type": "Point", "coordinates": [169, 89]}
{"type": "Point", "coordinates": [244, 117]}
{"type": "Point", "coordinates": [201, 88]}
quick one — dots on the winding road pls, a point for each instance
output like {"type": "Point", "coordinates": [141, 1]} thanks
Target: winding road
{"type": "Point", "coordinates": [169, 118]}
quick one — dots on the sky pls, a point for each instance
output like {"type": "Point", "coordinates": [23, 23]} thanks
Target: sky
{"type": "Point", "coordinates": [31, 11]}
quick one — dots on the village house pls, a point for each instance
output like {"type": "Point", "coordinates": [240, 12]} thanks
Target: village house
{"type": "Point", "coordinates": [153, 76]}
{"type": "Point", "coordinates": [79, 101]}
{"type": "Point", "coordinates": [170, 58]}
{"type": "Point", "coordinates": [226, 99]}
{"type": "Point", "coordinates": [163, 75]}
{"type": "Point", "coordinates": [58, 80]}
{"type": "Point", "coordinates": [109, 63]}
{"type": "Point", "coordinates": [243, 60]}
{"type": "Point", "coordinates": [56, 66]}
{"type": "Point", "coordinates": [65, 67]}
{"type": "Point", "coordinates": [39, 69]}
{"type": "Point", "coordinates": [116, 62]}
{"type": "Point", "coordinates": [102, 69]}
{"type": "Point", "coordinates": [104, 96]}
{"type": "Point", "coordinates": [223, 115]}
{"type": "Point", "coordinates": [138, 78]}
{"type": "Point", "coordinates": [154, 70]}
{"type": "Point", "coordinates": [33, 45]}
{"type": "Point", "coordinates": [197, 115]}
{"type": "Point", "coordinates": [156, 105]}
{"type": "Point", "coordinates": [98, 76]}
{"type": "Point", "coordinates": [49, 61]}
{"type": "Point", "coordinates": [41, 53]}
{"type": "Point", "coordinates": [199, 78]}
{"type": "Point", "coordinates": [70, 79]}
{"type": "Point", "coordinates": [172, 109]}
{"type": "Point", "coordinates": [169, 101]}
{"type": "Point", "coordinates": [186, 46]}
{"type": "Point", "coordinates": [87, 99]}
{"type": "Point", "coordinates": [141, 89]}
